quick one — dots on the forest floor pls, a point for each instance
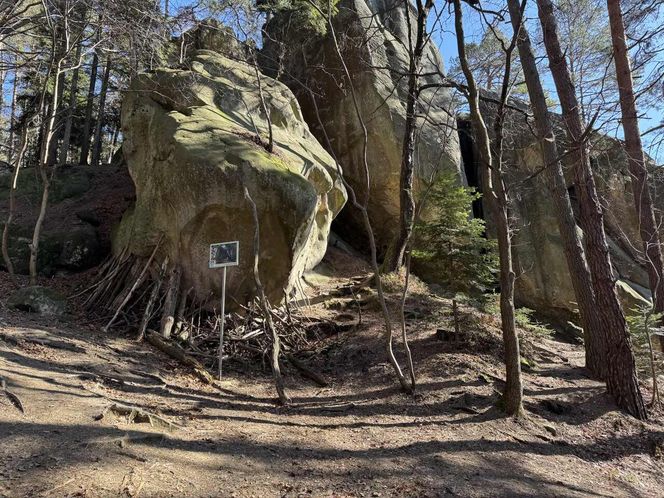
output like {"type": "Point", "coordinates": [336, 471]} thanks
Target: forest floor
{"type": "Point", "coordinates": [358, 437]}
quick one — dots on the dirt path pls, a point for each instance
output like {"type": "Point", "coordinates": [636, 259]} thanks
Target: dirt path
{"type": "Point", "coordinates": [360, 437]}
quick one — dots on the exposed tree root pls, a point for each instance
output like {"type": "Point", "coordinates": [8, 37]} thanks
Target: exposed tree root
{"type": "Point", "coordinates": [15, 400]}
{"type": "Point", "coordinates": [137, 283]}
{"type": "Point", "coordinates": [136, 415]}
{"type": "Point", "coordinates": [149, 295]}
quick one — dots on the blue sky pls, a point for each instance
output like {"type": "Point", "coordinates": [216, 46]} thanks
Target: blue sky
{"type": "Point", "coordinates": [446, 42]}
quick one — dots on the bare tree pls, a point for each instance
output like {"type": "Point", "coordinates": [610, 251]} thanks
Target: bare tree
{"type": "Point", "coordinates": [274, 337]}
{"type": "Point", "coordinates": [71, 106]}
{"type": "Point", "coordinates": [18, 162]}
{"type": "Point", "coordinates": [56, 69]}
{"type": "Point", "coordinates": [494, 189]}
{"type": "Point", "coordinates": [89, 108]}
{"type": "Point", "coordinates": [97, 142]}
{"type": "Point", "coordinates": [407, 201]}
{"type": "Point", "coordinates": [572, 246]}
{"type": "Point", "coordinates": [362, 205]}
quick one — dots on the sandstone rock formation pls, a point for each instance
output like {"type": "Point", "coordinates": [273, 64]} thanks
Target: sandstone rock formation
{"type": "Point", "coordinates": [191, 146]}
{"type": "Point", "coordinates": [543, 281]}
{"type": "Point", "coordinates": [371, 34]}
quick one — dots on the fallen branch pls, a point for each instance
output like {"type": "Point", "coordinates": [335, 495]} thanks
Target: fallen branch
{"type": "Point", "coordinates": [136, 415]}
{"type": "Point", "coordinates": [179, 354]}
{"type": "Point", "coordinates": [307, 372]}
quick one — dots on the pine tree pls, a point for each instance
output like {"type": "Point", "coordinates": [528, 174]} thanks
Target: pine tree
{"type": "Point", "coordinates": [452, 242]}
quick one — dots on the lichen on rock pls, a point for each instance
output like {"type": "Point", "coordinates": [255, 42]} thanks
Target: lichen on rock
{"type": "Point", "coordinates": [371, 35]}
{"type": "Point", "coordinates": [194, 138]}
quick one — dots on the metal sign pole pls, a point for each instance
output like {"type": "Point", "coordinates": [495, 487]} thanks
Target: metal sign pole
{"type": "Point", "coordinates": [223, 319]}
{"type": "Point", "coordinates": [223, 255]}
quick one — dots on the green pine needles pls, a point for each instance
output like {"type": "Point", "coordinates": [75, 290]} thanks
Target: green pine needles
{"type": "Point", "coordinates": [453, 243]}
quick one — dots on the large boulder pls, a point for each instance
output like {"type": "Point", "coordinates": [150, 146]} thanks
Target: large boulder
{"type": "Point", "coordinates": [76, 249]}
{"type": "Point", "coordinates": [373, 37]}
{"type": "Point", "coordinates": [194, 139]}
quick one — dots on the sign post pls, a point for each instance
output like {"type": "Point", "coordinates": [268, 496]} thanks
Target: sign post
{"type": "Point", "coordinates": [223, 255]}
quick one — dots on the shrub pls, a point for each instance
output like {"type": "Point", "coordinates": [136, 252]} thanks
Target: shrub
{"type": "Point", "coordinates": [452, 243]}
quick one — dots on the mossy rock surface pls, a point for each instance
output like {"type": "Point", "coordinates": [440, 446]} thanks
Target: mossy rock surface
{"type": "Point", "coordinates": [193, 142]}
{"type": "Point", "coordinates": [372, 31]}
{"type": "Point", "coordinates": [38, 299]}
{"type": "Point", "coordinates": [632, 301]}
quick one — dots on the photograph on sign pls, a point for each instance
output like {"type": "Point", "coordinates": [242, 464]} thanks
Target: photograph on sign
{"type": "Point", "coordinates": [224, 254]}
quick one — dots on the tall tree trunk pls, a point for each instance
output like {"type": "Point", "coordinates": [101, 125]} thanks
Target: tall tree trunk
{"type": "Point", "coordinates": [513, 395]}
{"type": "Point", "coordinates": [114, 143]}
{"type": "Point", "coordinates": [49, 133]}
{"type": "Point", "coordinates": [3, 76]}
{"type": "Point", "coordinates": [96, 148]}
{"type": "Point", "coordinates": [58, 98]}
{"type": "Point", "coordinates": [66, 137]}
{"type": "Point", "coordinates": [572, 245]}
{"type": "Point", "coordinates": [621, 379]}
{"type": "Point", "coordinates": [636, 158]}
{"type": "Point", "coordinates": [87, 125]}
{"type": "Point", "coordinates": [406, 199]}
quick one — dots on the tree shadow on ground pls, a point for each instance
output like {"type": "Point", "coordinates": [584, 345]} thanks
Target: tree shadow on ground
{"type": "Point", "coordinates": [489, 467]}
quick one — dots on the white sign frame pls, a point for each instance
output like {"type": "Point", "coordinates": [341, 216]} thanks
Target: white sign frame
{"type": "Point", "coordinates": [213, 264]}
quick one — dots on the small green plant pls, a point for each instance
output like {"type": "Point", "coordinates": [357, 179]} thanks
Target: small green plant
{"type": "Point", "coordinates": [452, 243]}
{"type": "Point", "coordinates": [524, 319]}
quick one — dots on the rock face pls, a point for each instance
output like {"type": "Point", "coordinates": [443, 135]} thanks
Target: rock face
{"type": "Point", "coordinates": [371, 34]}
{"type": "Point", "coordinates": [191, 147]}
{"type": "Point", "coordinates": [543, 281]}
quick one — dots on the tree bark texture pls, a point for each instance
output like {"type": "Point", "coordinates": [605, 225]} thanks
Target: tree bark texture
{"type": "Point", "coordinates": [572, 245]}
{"type": "Point", "coordinates": [513, 394]}
{"type": "Point", "coordinates": [406, 198]}
{"type": "Point", "coordinates": [621, 379]}
{"type": "Point", "coordinates": [652, 246]}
